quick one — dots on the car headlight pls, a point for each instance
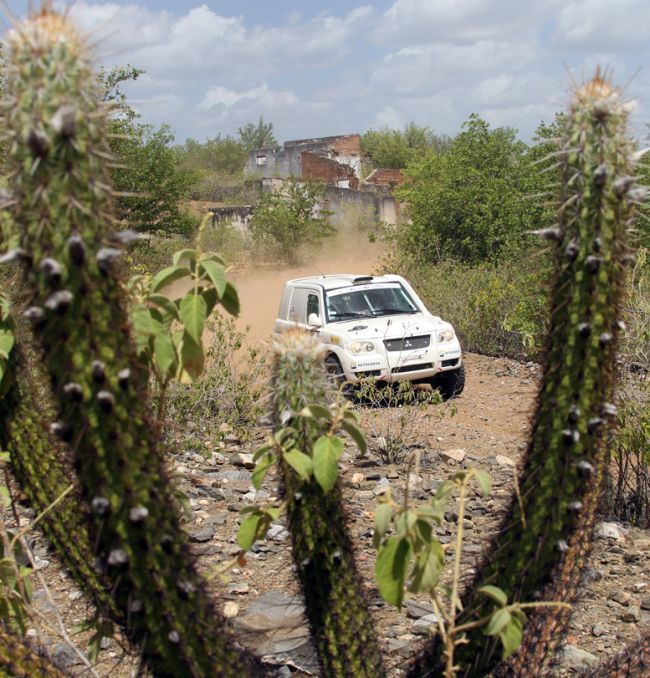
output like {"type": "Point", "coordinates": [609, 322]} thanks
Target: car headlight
{"type": "Point", "coordinates": [357, 347]}
{"type": "Point", "coordinates": [445, 335]}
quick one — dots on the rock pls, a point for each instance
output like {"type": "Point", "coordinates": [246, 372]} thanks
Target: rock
{"type": "Point", "coordinates": [422, 625]}
{"type": "Point", "coordinates": [357, 478]}
{"type": "Point", "coordinates": [454, 455]}
{"type": "Point", "coordinates": [631, 616]}
{"type": "Point", "coordinates": [610, 531]}
{"type": "Point", "coordinates": [277, 532]}
{"type": "Point", "coordinates": [203, 534]}
{"type": "Point", "coordinates": [65, 656]}
{"type": "Point", "coordinates": [575, 658]}
{"type": "Point", "coordinates": [239, 587]}
{"type": "Point", "coordinates": [621, 597]}
{"type": "Point", "coordinates": [275, 627]}
{"type": "Point", "coordinates": [373, 476]}
{"type": "Point", "coordinates": [645, 604]}
{"type": "Point", "coordinates": [241, 459]}
{"type": "Point", "coordinates": [591, 574]}
{"type": "Point", "coordinates": [502, 460]}
{"type": "Point", "coordinates": [230, 609]}
{"type": "Point", "coordinates": [382, 487]}
{"type": "Point", "coordinates": [599, 630]}
{"type": "Point", "coordinates": [415, 609]}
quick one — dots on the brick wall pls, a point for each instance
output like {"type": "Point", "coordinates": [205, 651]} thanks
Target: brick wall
{"type": "Point", "coordinates": [349, 144]}
{"type": "Point", "coordinates": [319, 168]}
{"type": "Point", "coordinates": [385, 177]}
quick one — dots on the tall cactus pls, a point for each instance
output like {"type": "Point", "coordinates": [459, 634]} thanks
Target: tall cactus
{"type": "Point", "coordinates": [62, 208]}
{"type": "Point", "coordinates": [322, 551]}
{"type": "Point", "coordinates": [19, 660]}
{"type": "Point", "coordinates": [546, 536]}
{"type": "Point", "coordinates": [39, 464]}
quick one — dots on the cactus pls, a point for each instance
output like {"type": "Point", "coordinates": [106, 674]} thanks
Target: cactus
{"type": "Point", "coordinates": [38, 462]}
{"type": "Point", "coordinates": [633, 661]}
{"type": "Point", "coordinates": [322, 550]}
{"type": "Point", "coordinates": [18, 660]}
{"type": "Point", "coordinates": [543, 542]}
{"type": "Point", "coordinates": [62, 209]}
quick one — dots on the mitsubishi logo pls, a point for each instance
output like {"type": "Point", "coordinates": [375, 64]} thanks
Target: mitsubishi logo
{"type": "Point", "coordinates": [407, 343]}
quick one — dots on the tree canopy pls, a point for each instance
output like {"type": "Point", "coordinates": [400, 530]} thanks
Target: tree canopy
{"type": "Point", "coordinates": [257, 134]}
{"type": "Point", "coordinates": [392, 148]}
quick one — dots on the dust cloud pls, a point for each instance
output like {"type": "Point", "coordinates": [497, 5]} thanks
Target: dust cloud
{"type": "Point", "coordinates": [260, 287]}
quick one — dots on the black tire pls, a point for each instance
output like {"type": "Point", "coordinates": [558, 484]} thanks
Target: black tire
{"type": "Point", "coordinates": [450, 384]}
{"type": "Point", "coordinates": [336, 375]}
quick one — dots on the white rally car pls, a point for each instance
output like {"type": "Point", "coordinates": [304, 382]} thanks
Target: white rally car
{"type": "Point", "coordinates": [374, 326]}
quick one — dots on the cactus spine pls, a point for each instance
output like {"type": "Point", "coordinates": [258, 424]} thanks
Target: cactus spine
{"type": "Point", "coordinates": [322, 550]}
{"type": "Point", "coordinates": [542, 545]}
{"type": "Point", "coordinates": [62, 209]}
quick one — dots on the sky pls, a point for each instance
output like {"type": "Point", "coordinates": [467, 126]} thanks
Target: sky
{"type": "Point", "coordinates": [317, 68]}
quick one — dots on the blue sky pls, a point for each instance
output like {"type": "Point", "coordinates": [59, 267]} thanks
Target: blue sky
{"type": "Point", "coordinates": [322, 68]}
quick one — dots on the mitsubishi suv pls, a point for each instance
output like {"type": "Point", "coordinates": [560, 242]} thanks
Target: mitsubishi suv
{"type": "Point", "coordinates": [374, 326]}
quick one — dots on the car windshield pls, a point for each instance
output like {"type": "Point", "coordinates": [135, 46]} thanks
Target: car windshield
{"type": "Point", "coordinates": [368, 301]}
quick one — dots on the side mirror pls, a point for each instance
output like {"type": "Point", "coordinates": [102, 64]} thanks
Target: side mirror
{"type": "Point", "coordinates": [314, 320]}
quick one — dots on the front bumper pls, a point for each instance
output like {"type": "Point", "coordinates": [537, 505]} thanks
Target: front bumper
{"type": "Point", "coordinates": [416, 365]}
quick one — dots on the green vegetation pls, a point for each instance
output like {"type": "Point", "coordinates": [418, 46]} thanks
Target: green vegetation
{"type": "Point", "coordinates": [257, 134]}
{"type": "Point", "coordinates": [285, 221]}
{"type": "Point", "coordinates": [392, 148]}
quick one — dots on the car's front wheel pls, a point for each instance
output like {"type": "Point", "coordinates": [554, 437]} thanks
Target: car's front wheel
{"type": "Point", "coordinates": [450, 384]}
{"type": "Point", "coordinates": [335, 372]}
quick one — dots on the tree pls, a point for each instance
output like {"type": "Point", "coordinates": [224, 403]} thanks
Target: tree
{"type": "Point", "coordinates": [220, 154]}
{"type": "Point", "coordinates": [393, 148]}
{"type": "Point", "coordinates": [257, 135]}
{"type": "Point", "coordinates": [468, 203]}
{"type": "Point", "coordinates": [148, 178]}
{"type": "Point", "coordinates": [285, 220]}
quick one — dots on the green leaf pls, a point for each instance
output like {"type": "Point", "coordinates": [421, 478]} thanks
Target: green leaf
{"type": "Point", "coordinates": [495, 593]}
{"type": "Point", "coordinates": [167, 276]}
{"type": "Point", "coordinates": [316, 411]}
{"type": "Point", "coordinates": [211, 298]}
{"type": "Point", "coordinates": [484, 480]}
{"type": "Point", "coordinates": [165, 354]}
{"type": "Point", "coordinates": [211, 256]}
{"type": "Point", "coordinates": [383, 514]}
{"type": "Point", "coordinates": [511, 637]}
{"type": "Point", "coordinates": [300, 462]}
{"type": "Point", "coordinates": [247, 533]}
{"type": "Point", "coordinates": [166, 304]}
{"type": "Point", "coordinates": [405, 521]}
{"type": "Point", "coordinates": [5, 497]}
{"type": "Point", "coordinates": [217, 274]}
{"type": "Point", "coordinates": [188, 254]}
{"type": "Point", "coordinates": [261, 469]}
{"type": "Point", "coordinates": [193, 312]}
{"type": "Point", "coordinates": [333, 443]}
{"type": "Point", "coordinates": [142, 327]}
{"type": "Point", "coordinates": [356, 434]}
{"type": "Point", "coordinates": [230, 300]}
{"type": "Point", "coordinates": [192, 358]}
{"type": "Point", "coordinates": [390, 569]}
{"type": "Point", "coordinates": [6, 343]}
{"type": "Point", "coordinates": [498, 621]}
{"type": "Point", "coordinates": [326, 462]}
{"type": "Point", "coordinates": [428, 568]}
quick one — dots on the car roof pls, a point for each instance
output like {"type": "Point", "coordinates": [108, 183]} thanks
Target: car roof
{"type": "Point", "coordinates": [330, 282]}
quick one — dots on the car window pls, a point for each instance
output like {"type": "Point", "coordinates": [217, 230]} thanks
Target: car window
{"type": "Point", "coordinates": [313, 305]}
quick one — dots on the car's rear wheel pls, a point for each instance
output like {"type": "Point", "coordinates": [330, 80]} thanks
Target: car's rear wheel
{"type": "Point", "coordinates": [450, 384]}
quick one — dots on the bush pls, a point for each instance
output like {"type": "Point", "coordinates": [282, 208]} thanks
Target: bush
{"type": "Point", "coordinates": [226, 398]}
{"type": "Point", "coordinates": [286, 220]}
{"type": "Point", "coordinates": [497, 310]}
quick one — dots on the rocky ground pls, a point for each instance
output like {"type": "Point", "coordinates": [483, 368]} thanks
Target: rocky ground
{"type": "Point", "coordinates": [485, 428]}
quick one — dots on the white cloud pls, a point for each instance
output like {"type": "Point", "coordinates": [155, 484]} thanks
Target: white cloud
{"type": "Point", "coordinates": [426, 21]}
{"type": "Point", "coordinates": [604, 25]}
{"type": "Point", "coordinates": [218, 96]}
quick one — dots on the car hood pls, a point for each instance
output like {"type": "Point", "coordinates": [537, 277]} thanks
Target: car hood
{"type": "Point", "coordinates": [389, 327]}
